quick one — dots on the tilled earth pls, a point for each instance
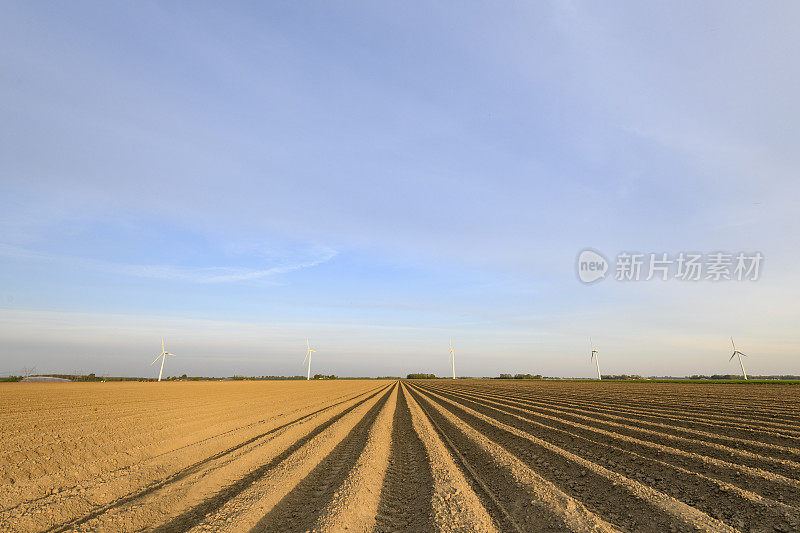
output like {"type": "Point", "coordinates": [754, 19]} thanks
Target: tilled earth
{"type": "Point", "coordinates": [430, 455]}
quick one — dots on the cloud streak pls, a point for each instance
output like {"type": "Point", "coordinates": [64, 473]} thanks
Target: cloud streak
{"type": "Point", "coordinates": [220, 274]}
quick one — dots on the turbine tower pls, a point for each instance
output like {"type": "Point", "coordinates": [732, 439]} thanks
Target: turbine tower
{"type": "Point", "coordinates": [308, 356]}
{"type": "Point", "coordinates": [740, 354]}
{"type": "Point", "coordinates": [593, 351]}
{"type": "Point", "coordinates": [161, 356]}
{"type": "Point", "coordinates": [453, 358]}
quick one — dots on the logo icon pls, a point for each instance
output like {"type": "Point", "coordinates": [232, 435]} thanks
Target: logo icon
{"type": "Point", "coordinates": [591, 266]}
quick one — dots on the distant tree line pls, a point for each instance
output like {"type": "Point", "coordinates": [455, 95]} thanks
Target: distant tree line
{"type": "Point", "coordinates": [86, 377]}
{"type": "Point", "coordinates": [419, 375]}
{"type": "Point", "coordinates": [739, 376]}
{"type": "Point", "coordinates": [247, 378]}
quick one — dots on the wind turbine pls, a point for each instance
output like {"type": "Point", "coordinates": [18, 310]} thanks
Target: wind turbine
{"type": "Point", "coordinates": [740, 354]}
{"type": "Point", "coordinates": [593, 351]}
{"type": "Point", "coordinates": [308, 356]}
{"type": "Point", "coordinates": [453, 358]}
{"type": "Point", "coordinates": [163, 355]}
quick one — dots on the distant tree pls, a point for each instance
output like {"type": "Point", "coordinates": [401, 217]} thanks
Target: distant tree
{"type": "Point", "coordinates": [421, 376]}
{"type": "Point", "coordinates": [505, 376]}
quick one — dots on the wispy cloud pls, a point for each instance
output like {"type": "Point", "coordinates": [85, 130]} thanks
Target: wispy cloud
{"type": "Point", "coordinates": [215, 274]}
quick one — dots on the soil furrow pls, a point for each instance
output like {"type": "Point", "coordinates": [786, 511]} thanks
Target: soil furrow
{"type": "Point", "coordinates": [733, 504]}
{"type": "Point", "coordinates": [196, 514]}
{"type": "Point", "coordinates": [779, 436]}
{"type": "Point", "coordinates": [354, 506]}
{"type": "Point", "coordinates": [549, 421]}
{"type": "Point", "coordinates": [407, 492]}
{"type": "Point", "coordinates": [597, 395]}
{"type": "Point", "coordinates": [191, 470]}
{"type": "Point", "coordinates": [455, 505]}
{"type": "Point", "coordinates": [95, 478]}
{"type": "Point", "coordinates": [774, 417]}
{"type": "Point", "coordinates": [534, 503]}
{"type": "Point", "coordinates": [299, 510]}
{"type": "Point", "coordinates": [419, 455]}
{"type": "Point", "coordinates": [783, 467]}
{"type": "Point", "coordinates": [617, 498]}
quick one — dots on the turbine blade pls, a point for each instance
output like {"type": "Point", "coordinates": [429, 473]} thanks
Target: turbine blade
{"type": "Point", "coordinates": [156, 359]}
{"type": "Point", "coordinates": [162, 345]}
{"type": "Point", "coordinates": [744, 354]}
{"type": "Point", "coordinates": [732, 344]}
{"type": "Point", "coordinates": [732, 356]}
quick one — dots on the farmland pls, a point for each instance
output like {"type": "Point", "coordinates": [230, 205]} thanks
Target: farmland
{"type": "Point", "coordinates": [427, 455]}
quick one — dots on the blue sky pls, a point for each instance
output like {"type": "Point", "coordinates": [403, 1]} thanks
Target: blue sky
{"type": "Point", "coordinates": [385, 177]}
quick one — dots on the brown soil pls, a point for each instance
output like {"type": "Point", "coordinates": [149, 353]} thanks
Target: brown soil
{"type": "Point", "coordinates": [439, 455]}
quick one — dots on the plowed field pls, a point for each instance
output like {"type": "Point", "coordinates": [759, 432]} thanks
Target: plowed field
{"type": "Point", "coordinates": [432, 455]}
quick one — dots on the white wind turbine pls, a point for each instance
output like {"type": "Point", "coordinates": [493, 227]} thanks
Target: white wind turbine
{"type": "Point", "coordinates": [740, 354]}
{"type": "Point", "coordinates": [453, 358]}
{"type": "Point", "coordinates": [308, 356]}
{"type": "Point", "coordinates": [594, 351]}
{"type": "Point", "coordinates": [161, 356]}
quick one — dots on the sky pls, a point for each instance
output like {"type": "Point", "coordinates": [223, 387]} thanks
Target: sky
{"type": "Point", "coordinates": [384, 178]}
